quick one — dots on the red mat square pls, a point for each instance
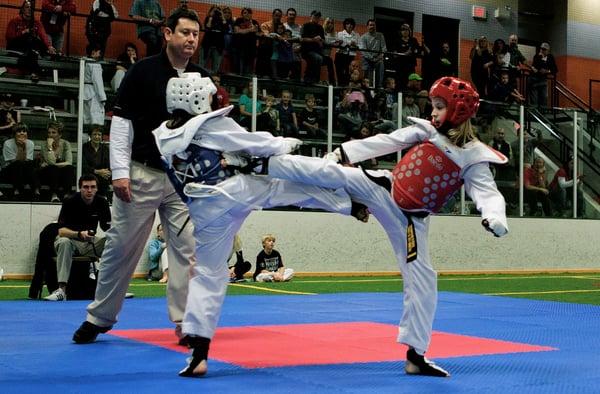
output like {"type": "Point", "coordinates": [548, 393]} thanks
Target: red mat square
{"type": "Point", "coordinates": [326, 343]}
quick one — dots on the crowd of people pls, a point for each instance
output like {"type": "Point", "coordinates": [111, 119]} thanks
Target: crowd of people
{"type": "Point", "coordinates": [192, 162]}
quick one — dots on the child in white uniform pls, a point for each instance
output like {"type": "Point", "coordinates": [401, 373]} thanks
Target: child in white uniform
{"type": "Point", "coordinates": [437, 163]}
{"type": "Point", "coordinates": [198, 151]}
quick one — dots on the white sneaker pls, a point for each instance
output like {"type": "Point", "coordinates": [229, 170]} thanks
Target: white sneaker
{"type": "Point", "coordinates": [57, 295]}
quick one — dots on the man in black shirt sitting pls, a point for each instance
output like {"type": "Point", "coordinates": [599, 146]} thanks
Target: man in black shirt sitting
{"type": "Point", "coordinates": [78, 221]}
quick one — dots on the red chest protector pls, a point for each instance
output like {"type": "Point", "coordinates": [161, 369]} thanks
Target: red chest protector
{"type": "Point", "coordinates": [424, 179]}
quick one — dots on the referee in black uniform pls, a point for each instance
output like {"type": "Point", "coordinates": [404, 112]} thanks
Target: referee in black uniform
{"type": "Point", "coordinates": [140, 184]}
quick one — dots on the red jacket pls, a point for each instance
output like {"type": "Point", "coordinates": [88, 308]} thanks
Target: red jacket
{"type": "Point", "coordinates": [17, 25]}
{"type": "Point", "coordinates": [68, 7]}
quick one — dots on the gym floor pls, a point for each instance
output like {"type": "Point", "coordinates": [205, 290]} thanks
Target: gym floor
{"type": "Point", "coordinates": [318, 343]}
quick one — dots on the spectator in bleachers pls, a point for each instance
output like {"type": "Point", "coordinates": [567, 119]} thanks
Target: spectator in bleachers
{"type": "Point", "coordinates": [310, 118]}
{"type": "Point", "coordinates": [353, 111]}
{"type": "Point", "coordinates": [561, 189]}
{"type": "Point", "coordinates": [296, 30]}
{"type": "Point", "coordinates": [373, 45]}
{"type": "Point", "coordinates": [150, 17]}
{"type": "Point", "coordinates": [331, 41]}
{"type": "Point", "coordinates": [504, 91]}
{"type": "Point", "coordinates": [244, 40]}
{"type": "Point", "coordinates": [125, 60]}
{"type": "Point", "coordinates": [55, 14]}
{"type": "Point", "coordinates": [269, 119]}
{"type": "Point", "coordinates": [287, 115]}
{"type": "Point", "coordinates": [94, 95]}
{"type": "Point", "coordinates": [529, 146]}
{"type": "Point", "coordinates": [277, 39]}
{"type": "Point", "coordinates": [96, 160]}
{"type": "Point", "coordinates": [228, 48]}
{"type": "Point", "coordinates": [502, 171]}
{"type": "Point", "coordinates": [213, 41]}
{"type": "Point", "coordinates": [18, 154]}
{"type": "Point", "coordinates": [283, 50]}
{"type": "Point", "coordinates": [7, 121]}
{"type": "Point", "coordinates": [500, 53]}
{"type": "Point", "coordinates": [355, 65]}
{"type": "Point", "coordinates": [221, 96]}
{"type": "Point", "coordinates": [409, 108]}
{"type": "Point", "coordinates": [543, 66]}
{"type": "Point", "coordinates": [78, 219]}
{"type": "Point", "coordinates": [268, 35]}
{"type": "Point", "coordinates": [391, 94]}
{"type": "Point", "coordinates": [246, 104]}
{"type": "Point", "coordinates": [415, 83]}
{"type": "Point", "coordinates": [424, 104]}
{"type": "Point", "coordinates": [409, 49]}
{"type": "Point", "coordinates": [355, 79]}
{"type": "Point", "coordinates": [481, 61]}
{"type": "Point", "coordinates": [313, 37]}
{"type": "Point", "coordinates": [56, 166]}
{"type": "Point", "coordinates": [98, 23]}
{"type": "Point", "coordinates": [536, 187]}
{"type": "Point", "coordinates": [443, 63]}
{"type": "Point", "coordinates": [348, 41]}
{"type": "Point", "coordinates": [27, 35]}
{"type": "Point", "coordinates": [516, 57]}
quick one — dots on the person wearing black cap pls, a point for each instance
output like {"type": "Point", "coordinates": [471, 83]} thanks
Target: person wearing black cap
{"type": "Point", "coordinates": [313, 37]}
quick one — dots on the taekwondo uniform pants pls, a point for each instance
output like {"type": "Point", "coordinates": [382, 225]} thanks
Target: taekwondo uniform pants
{"type": "Point", "coordinates": [218, 216]}
{"type": "Point", "coordinates": [420, 280]}
{"type": "Point", "coordinates": [126, 239]}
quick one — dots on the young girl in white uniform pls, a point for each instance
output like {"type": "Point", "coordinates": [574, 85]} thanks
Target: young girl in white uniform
{"type": "Point", "coordinates": [442, 155]}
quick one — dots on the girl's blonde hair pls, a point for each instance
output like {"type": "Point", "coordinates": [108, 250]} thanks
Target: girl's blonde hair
{"type": "Point", "coordinates": [462, 134]}
{"type": "Point", "coordinates": [326, 25]}
{"type": "Point", "coordinates": [267, 237]}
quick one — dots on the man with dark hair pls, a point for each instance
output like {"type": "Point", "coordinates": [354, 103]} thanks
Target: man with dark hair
{"type": "Point", "coordinates": [78, 222]}
{"type": "Point", "coordinates": [140, 184]}
{"type": "Point", "coordinates": [373, 45]}
{"type": "Point", "coordinates": [313, 37]}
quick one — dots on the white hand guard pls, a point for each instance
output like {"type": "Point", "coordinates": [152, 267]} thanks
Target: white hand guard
{"type": "Point", "coordinates": [292, 144]}
{"type": "Point", "coordinates": [335, 156]}
{"type": "Point", "coordinates": [494, 226]}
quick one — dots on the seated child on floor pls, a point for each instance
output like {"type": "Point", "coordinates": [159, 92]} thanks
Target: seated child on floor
{"type": "Point", "coordinates": [269, 265]}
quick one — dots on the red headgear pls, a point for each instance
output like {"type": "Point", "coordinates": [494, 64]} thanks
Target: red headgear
{"type": "Point", "coordinates": [462, 101]}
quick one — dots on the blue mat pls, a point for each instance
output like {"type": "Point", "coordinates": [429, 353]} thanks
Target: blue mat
{"type": "Point", "coordinates": [37, 355]}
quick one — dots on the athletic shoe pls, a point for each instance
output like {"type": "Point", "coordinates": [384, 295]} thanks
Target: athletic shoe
{"type": "Point", "coordinates": [57, 295]}
{"type": "Point", "coordinates": [419, 365]}
{"type": "Point", "coordinates": [88, 332]}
